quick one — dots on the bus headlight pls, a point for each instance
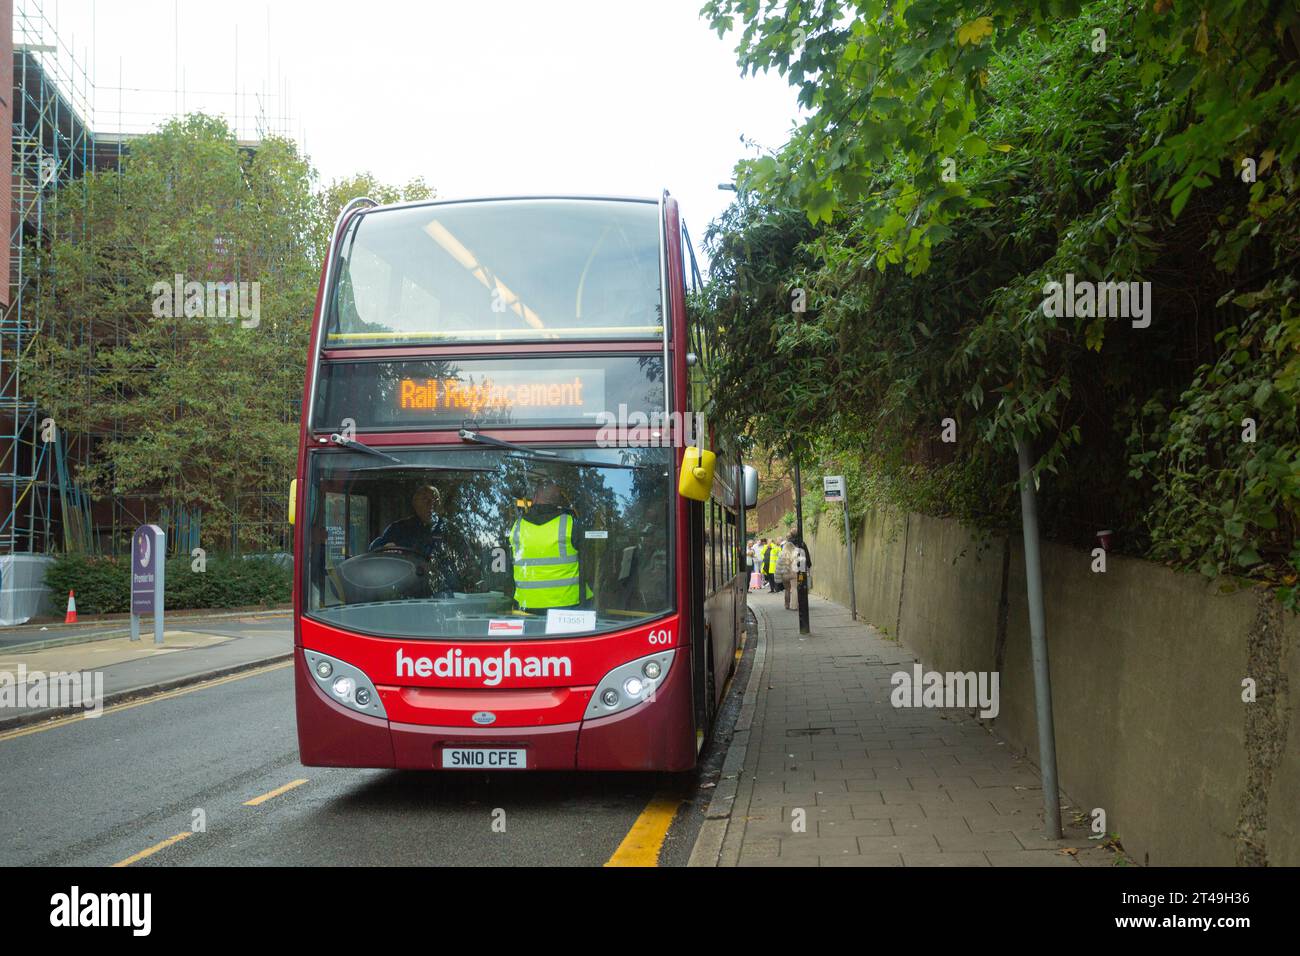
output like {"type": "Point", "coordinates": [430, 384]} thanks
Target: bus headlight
{"type": "Point", "coordinates": [629, 684]}
{"type": "Point", "coordinates": [345, 684]}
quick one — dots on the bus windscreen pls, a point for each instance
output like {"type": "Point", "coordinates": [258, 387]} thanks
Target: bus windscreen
{"type": "Point", "coordinates": [421, 548]}
{"type": "Point", "coordinates": [500, 270]}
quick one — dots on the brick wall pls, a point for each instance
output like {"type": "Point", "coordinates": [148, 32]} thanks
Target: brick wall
{"type": "Point", "coordinates": [770, 510]}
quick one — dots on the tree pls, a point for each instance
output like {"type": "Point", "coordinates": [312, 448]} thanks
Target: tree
{"type": "Point", "coordinates": [189, 400]}
{"type": "Point", "coordinates": [341, 191]}
{"type": "Point", "coordinates": [958, 159]}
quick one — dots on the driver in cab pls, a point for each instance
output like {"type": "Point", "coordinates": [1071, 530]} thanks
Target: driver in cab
{"type": "Point", "coordinates": [424, 533]}
{"type": "Point", "coordinates": [544, 555]}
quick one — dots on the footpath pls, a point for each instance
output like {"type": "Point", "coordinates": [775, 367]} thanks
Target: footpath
{"type": "Point", "coordinates": [195, 648]}
{"type": "Point", "coordinates": [822, 770]}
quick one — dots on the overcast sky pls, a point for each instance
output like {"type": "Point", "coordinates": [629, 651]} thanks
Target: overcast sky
{"type": "Point", "coordinates": [482, 97]}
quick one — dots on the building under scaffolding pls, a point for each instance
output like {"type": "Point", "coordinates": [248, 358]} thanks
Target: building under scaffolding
{"type": "Point", "coordinates": [48, 121]}
{"type": "Point", "coordinates": [49, 149]}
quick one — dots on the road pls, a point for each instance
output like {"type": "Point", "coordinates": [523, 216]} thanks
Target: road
{"type": "Point", "coordinates": [233, 624]}
{"type": "Point", "coordinates": [127, 787]}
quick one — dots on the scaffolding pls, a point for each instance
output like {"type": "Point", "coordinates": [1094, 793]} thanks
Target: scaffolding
{"type": "Point", "coordinates": [55, 142]}
{"type": "Point", "coordinates": [51, 148]}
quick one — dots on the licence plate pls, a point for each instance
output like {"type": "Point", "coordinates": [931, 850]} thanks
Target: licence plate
{"type": "Point", "coordinates": [483, 758]}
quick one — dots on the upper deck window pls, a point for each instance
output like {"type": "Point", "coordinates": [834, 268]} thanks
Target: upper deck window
{"type": "Point", "coordinates": [499, 271]}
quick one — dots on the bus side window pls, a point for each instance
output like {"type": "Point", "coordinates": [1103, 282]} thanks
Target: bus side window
{"type": "Point", "coordinates": [713, 545]}
{"type": "Point", "coordinates": [728, 546]}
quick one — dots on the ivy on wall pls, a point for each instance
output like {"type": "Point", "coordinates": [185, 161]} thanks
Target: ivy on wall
{"type": "Point", "coordinates": [1067, 223]}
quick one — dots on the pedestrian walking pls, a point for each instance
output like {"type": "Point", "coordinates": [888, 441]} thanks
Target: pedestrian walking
{"type": "Point", "coordinates": [770, 554]}
{"type": "Point", "coordinates": [756, 564]}
{"type": "Point", "coordinates": [786, 563]}
{"type": "Point", "coordinates": [803, 559]}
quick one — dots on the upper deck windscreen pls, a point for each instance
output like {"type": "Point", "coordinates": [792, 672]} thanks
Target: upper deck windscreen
{"type": "Point", "coordinates": [498, 271]}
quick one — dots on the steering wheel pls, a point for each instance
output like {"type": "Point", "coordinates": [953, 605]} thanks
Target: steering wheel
{"type": "Point", "coordinates": [385, 574]}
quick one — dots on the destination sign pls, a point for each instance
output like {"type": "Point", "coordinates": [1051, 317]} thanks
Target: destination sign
{"type": "Point", "coordinates": [505, 392]}
{"type": "Point", "coordinates": [443, 393]}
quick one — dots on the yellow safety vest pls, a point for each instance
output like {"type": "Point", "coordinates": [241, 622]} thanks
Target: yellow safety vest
{"type": "Point", "coordinates": [545, 563]}
{"type": "Point", "coordinates": [769, 558]}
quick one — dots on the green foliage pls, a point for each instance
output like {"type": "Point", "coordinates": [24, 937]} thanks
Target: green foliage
{"type": "Point", "coordinates": [1221, 502]}
{"type": "Point", "coordinates": [103, 585]}
{"type": "Point", "coordinates": [228, 582]}
{"type": "Point", "coordinates": [187, 410]}
{"type": "Point", "coordinates": [904, 84]}
{"type": "Point", "coordinates": [925, 291]}
{"type": "Point", "coordinates": [341, 191]}
{"type": "Point", "coordinates": [198, 411]}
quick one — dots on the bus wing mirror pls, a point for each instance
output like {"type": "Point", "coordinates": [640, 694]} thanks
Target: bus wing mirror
{"type": "Point", "coordinates": [749, 484]}
{"type": "Point", "coordinates": [696, 479]}
{"type": "Point", "coordinates": [293, 501]}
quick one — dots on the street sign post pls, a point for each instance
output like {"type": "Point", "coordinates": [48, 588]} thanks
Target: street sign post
{"type": "Point", "coordinates": [834, 490]}
{"type": "Point", "coordinates": [148, 563]}
{"type": "Point", "coordinates": [801, 575]}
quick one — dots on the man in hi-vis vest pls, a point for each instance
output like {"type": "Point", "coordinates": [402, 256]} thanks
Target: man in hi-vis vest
{"type": "Point", "coordinates": [769, 565]}
{"type": "Point", "coordinates": [544, 554]}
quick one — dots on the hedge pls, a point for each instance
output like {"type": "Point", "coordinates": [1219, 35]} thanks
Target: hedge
{"type": "Point", "coordinates": [103, 585]}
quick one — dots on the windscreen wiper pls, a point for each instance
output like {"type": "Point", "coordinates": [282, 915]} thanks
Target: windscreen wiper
{"type": "Point", "coordinates": [481, 439]}
{"type": "Point", "coordinates": [351, 443]}
{"type": "Point", "coordinates": [405, 466]}
{"type": "Point", "coordinates": [575, 462]}
{"type": "Point", "coordinates": [524, 453]}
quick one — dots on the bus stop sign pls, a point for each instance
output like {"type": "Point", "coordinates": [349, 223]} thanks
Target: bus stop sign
{"type": "Point", "coordinates": [833, 487]}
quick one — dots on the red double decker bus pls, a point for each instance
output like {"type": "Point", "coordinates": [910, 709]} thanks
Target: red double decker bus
{"type": "Point", "coordinates": [507, 556]}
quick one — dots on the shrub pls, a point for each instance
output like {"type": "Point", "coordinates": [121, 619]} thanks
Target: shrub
{"type": "Point", "coordinates": [103, 585]}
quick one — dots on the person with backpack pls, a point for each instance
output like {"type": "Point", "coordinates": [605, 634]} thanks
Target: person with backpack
{"type": "Point", "coordinates": [786, 564]}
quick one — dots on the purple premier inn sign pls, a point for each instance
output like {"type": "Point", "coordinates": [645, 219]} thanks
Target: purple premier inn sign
{"type": "Point", "coordinates": [148, 553]}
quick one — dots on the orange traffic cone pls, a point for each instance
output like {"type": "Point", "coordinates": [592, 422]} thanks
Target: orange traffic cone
{"type": "Point", "coordinates": [71, 616]}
